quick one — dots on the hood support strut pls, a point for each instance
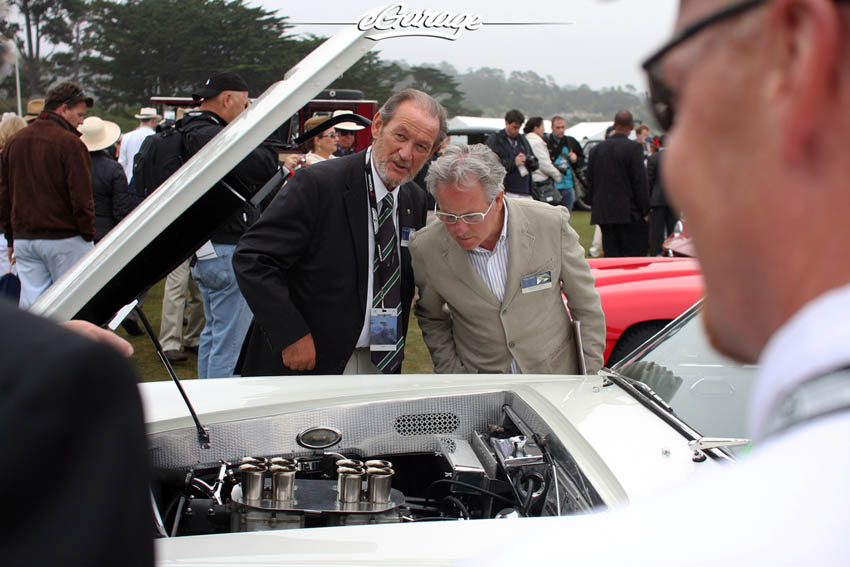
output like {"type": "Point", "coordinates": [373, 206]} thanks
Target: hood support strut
{"type": "Point", "coordinates": [203, 431]}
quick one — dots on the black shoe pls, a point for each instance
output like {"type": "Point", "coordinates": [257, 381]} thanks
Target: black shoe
{"type": "Point", "coordinates": [580, 205]}
{"type": "Point", "coordinates": [175, 356]}
{"type": "Point", "coordinates": [192, 349]}
{"type": "Point", "coordinates": [132, 328]}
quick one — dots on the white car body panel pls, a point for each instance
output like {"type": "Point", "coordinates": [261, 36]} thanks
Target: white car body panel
{"type": "Point", "coordinates": [624, 449]}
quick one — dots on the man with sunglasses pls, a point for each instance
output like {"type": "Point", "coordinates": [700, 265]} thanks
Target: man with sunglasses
{"type": "Point", "coordinates": [773, 78]}
{"type": "Point", "coordinates": [500, 265]}
{"type": "Point", "coordinates": [346, 133]}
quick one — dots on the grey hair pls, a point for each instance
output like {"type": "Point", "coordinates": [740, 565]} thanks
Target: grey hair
{"type": "Point", "coordinates": [423, 101]}
{"type": "Point", "coordinates": [461, 164]}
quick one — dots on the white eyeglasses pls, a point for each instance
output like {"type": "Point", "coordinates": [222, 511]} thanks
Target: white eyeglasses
{"type": "Point", "coordinates": [468, 218]}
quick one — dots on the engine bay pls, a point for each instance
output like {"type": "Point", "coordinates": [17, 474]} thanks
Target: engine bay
{"type": "Point", "coordinates": [484, 468]}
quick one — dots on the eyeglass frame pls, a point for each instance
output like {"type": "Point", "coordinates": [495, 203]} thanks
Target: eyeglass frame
{"type": "Point", "coordinates": [331, 135]}
{"type": "Point", "coordinates": [658, 89]}
{"type": "Point", "coordinates": [464, 217]}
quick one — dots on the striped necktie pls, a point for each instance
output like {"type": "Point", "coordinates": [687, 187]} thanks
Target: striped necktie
{"type": "Point", "coordinates": [386, 289]}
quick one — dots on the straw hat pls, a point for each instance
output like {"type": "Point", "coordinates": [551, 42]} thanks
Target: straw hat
{"type": "Point", "coordinates": [350, 126]}
{"type": "Point", "coordinates": [34, 108]}
{"type": "Point", "coordinates": [147, 113]}
{"type": "Point", "coordinates": [315, 121]}
{"type": "Point", "coordinates": [99, 134]}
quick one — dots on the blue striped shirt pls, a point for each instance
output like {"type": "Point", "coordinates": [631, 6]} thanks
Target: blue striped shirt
{"type": "Point", "coordinates": [492, 266]}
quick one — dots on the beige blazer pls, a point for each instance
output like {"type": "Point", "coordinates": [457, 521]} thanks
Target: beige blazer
{"type": "Point", "coordinates": [468, 330]}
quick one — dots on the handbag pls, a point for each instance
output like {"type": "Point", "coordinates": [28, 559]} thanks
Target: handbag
{"type": "Point", "coordinates": [546, 192]}
{"type": "Point", "coordinates": [10, 286]}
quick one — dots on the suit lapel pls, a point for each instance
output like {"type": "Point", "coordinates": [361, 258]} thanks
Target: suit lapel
{"type": "Point", "coordinates": [356, 200]}
{"type": "Point", "coordinates": [458, 261]}
{"type": "Point", "coordinates": [520, 249]}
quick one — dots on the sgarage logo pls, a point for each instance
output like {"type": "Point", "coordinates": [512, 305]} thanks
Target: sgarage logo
{"type": "Point", "coordinates": [395, 20]}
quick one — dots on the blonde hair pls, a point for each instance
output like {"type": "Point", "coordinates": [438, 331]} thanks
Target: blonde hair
{"type": "Point", "coordinates": [9, 126]}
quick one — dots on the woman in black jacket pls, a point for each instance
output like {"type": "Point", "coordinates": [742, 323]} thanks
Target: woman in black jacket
{"type": "Point", "coordinates": [112, 199]}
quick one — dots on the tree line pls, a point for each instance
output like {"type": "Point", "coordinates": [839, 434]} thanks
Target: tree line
{"type": "Point", "coordinates": [123, 52]}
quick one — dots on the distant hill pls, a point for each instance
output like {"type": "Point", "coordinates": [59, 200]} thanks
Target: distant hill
{"type": "Point", "coordinates": [491, 92]}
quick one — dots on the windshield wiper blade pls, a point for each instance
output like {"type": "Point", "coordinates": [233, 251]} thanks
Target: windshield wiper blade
{"type": "Point", "coordinates": [641, 387]}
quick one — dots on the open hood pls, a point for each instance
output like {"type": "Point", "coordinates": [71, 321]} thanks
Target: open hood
{"type": "Point", "coordinates": [168, 226]}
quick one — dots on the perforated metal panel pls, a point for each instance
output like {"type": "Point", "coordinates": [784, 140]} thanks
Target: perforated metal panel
{"type": "Point", "coordinates": [379, 428]}
{"type": "Point", "coordinates": [427, 423]}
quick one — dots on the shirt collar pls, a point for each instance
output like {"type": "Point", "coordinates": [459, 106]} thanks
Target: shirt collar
{"type": "Point", "coordinates": [812, 343]}
{"type": "Point", "coordinates": [380, 189]}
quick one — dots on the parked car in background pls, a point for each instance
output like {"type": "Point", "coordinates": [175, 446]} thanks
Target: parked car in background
{"type": "Point", "coordinates": [640, 296]}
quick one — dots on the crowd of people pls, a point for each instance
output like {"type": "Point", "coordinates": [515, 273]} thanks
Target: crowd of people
{"type": "Point", "coordinates": [257, 254]}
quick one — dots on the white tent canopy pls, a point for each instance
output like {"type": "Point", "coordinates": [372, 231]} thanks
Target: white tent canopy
{"type": "Point", "coordinates": [589, 130]}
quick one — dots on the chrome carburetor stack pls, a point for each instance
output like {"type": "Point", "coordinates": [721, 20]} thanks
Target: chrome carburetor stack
{"type": "Point", "coordinates": [271, 497]}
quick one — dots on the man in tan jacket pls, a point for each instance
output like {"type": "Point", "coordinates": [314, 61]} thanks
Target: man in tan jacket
{"type": "Point", "coordinates": [490, 276]}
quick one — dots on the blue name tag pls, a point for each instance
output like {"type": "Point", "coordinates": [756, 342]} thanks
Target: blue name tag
{"type": "Point", "coordinates": [406, 234]}
{"type": "Point", "coordinates": [536, 282]}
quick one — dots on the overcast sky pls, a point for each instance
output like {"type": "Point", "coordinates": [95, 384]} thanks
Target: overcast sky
{"type": "Point", "coordinates": [603, 45]}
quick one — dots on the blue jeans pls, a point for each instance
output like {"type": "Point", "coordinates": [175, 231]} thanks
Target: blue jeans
{"type": "Point", "coordinates": [568, 197]}
{"type": "Point", "coordinates": [227, 313]}
{"type": "Point", "coordinates": [41, 262]}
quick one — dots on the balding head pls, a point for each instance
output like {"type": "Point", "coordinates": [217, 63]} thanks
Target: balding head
{"type": "Point", "coordinates": [623, 122]}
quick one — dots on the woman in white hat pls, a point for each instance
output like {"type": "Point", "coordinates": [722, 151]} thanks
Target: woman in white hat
{"type": "Point", "coordinates": [112, 199]}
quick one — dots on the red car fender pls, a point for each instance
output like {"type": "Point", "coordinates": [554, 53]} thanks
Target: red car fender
{"type": "Point", "coordinates": [637, 290]}
{"type": "Point", "coordinates": [629, 303]}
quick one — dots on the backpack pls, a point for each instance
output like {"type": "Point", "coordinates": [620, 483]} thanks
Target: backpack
{"type": "Point", "coordinates": [160, 155]}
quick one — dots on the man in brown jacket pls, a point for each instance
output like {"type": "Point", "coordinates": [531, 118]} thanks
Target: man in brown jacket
{"type": "Point", "coordinates": [46, 207]}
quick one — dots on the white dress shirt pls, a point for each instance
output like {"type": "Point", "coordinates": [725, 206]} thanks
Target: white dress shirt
{"type": "Point", "coordinates": [380, 192]}
{"type": "Point", "coordinates": [492, 266]}
{"type": "Point", "coordinates": [130, 144]}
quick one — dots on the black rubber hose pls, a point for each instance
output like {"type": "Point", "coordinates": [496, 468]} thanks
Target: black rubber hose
{"type": "Point", "coordinates": [467, 485]}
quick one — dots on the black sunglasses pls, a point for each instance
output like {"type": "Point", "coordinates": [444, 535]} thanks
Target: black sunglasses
{"type": "Point", "coordinates": [662, 96]}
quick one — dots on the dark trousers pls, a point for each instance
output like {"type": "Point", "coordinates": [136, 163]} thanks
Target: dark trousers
{"type": "Point", "coordinates": [625, 239]}
{"type": "Point", "coordinates": [662, 221]}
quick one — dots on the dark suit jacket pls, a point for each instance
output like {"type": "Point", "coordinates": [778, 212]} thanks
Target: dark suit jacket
{"type": "Point", "coordinates": [303, 266]}
{"type": "Point", "coordinates": [618, 188]}
{"type": "Point", "coordinates": [75, 460]}
{"type": "Point", "coordinates": [657, 195]}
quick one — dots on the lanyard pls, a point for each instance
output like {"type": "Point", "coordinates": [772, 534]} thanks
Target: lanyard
{"type": "Point", "coordinates": [370, 187]}
{"type": "Point", "coordinates": [373, 203]}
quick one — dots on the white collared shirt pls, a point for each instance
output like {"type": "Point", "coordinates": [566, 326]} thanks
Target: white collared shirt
{"type": "Point", "coordinates": [815, 341]}
{"type": "Point", "coordinates": [492, 266]}
{"type": "Point", "coordinates": [131, 142]}
{"type": "Point", "coordinates": [380, 192]}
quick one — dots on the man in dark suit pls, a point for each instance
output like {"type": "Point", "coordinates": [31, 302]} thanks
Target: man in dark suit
{"type": "Point", "coordinates": [619, 191]}
{"type": "Point", "coordinates": [662, 218]}
{"type": "Point", "coordinates": [308, 267]}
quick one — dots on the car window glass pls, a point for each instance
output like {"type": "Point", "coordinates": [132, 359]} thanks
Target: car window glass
{"type": "Point", "coordinates": [707, 390]}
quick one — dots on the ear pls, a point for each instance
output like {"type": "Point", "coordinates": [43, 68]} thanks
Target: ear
{"type": "Point", "coordinates": [377, 123]}
{"type": "Point", "coordinates": [808, 37]}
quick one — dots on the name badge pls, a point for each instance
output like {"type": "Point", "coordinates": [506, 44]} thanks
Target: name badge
{"type": "Point", "coordinates": [406, 234]}
{"type": "Point", "coordinates": [536, 282]}
{"type": "Point", "coordinates": [383, 329]}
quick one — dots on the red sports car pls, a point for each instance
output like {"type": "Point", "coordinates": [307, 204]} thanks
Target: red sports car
{"type": "Point", "coordinates": [641, 295]}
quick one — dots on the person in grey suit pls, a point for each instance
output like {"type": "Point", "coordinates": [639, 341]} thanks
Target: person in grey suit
{"type": "Point", "coordinates": [490, 276]}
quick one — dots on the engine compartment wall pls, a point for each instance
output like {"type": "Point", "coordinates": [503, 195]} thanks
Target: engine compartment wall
{"type": "Point", "coordinates": [414, 425]}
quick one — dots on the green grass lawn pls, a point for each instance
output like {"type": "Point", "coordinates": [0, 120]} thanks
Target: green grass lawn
{"type": "Point", "coordinates": [416, 357]}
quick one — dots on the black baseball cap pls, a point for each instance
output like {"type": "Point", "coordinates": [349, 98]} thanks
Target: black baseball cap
{"type": "Point", "coordinates": [223, 81]}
